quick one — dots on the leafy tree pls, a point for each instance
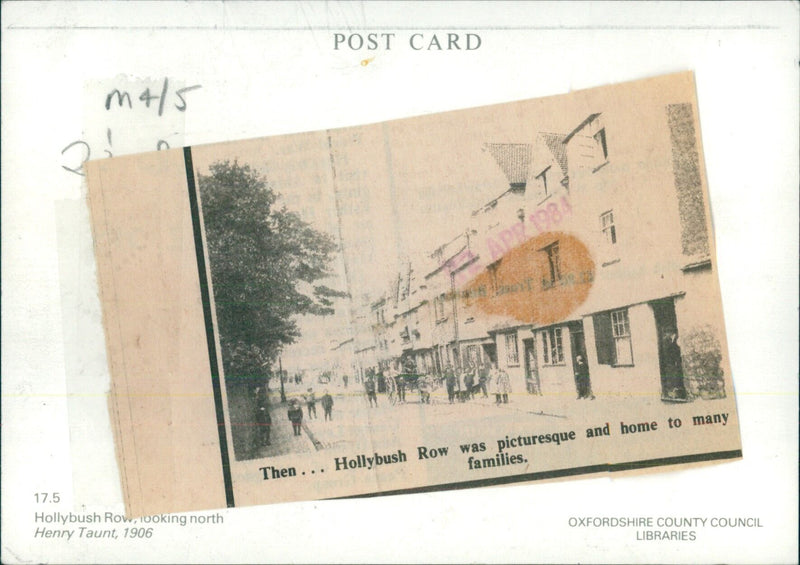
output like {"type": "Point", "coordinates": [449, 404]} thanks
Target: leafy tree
{"type": "Point", "coordinates": [265, 261]}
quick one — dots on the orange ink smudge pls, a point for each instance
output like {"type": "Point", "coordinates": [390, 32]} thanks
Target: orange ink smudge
{"type": "Point", "coordinates": [366, 62]}
{"type": "Point", "coordinates": [524, 285]}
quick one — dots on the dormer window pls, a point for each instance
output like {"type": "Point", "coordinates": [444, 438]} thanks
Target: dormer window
{"type": "Point", "coordinates": [602, 148]}
{"type": "Point", "coordinates": [554, 262]}
{"type": "Point", "coordinates": [542, 180]}
{"type": "Point", "coordinates": [609, 229]}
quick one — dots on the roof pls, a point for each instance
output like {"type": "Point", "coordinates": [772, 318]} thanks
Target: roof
{"type": "Point", "coordinates": [555, 143]}
{"type": "Point", "coordinates": [513, 158]}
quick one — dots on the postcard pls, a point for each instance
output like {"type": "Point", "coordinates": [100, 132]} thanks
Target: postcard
{"type": "Point", "coordinates": [512, 293]}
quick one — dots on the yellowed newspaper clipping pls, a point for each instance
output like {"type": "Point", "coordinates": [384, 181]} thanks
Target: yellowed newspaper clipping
{"type": "Point", "coordinates": [513, 293]}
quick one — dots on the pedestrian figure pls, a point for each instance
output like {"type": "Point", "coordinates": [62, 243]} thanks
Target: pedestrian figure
{"type": "Point", "coordinates": [494, 376]}
{"type": "Point", "coordinates": [295, 414]}
{"type": "Point", "coordinates": [673, 365]}
{"type": "Point", "coordinates": [450, 382]}
{"type": "Point", "coordinates": [390, 387]}
{"type": "Point", "coordinates": [582, 381]}
{"type": "Point", "coordinates": [400, 381]}
{"type": "Point", "coordinates": [462, 384]}
{"type": "Point", "coordinates": [369, 387]}
{"type": "Point", "coordinates": [263, 418]}
{"type": "Point", "coordinates": [484, 378]}
{"type": "Point", "coordinates": [503, 386]}
{"type": "Point", "coordinates": [327, 405]}
{"type": "Point", "coordinates": [311, 403]}
{"type": "Point", "coordinates": [469, 381]}
{"type": "Point", "coordinates": [263, 425]}
{"type": "Point", "coordinates": [344, 380]}
{"type": "Point", "coordinates": [424, 390]}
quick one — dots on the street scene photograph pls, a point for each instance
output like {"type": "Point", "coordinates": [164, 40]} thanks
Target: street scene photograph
{"type": "Point", "coordinates": [463, 271]}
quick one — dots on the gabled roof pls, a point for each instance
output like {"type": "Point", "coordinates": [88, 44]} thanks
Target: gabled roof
{"type": "Point", "coordinates": [513, 158]}
{"type": "Point", "coordinates": [555, 143]}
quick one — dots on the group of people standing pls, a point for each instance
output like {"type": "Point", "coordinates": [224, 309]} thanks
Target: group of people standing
{"type": "Point", "coordinates": [466, 382]}
{"type": "Point", "coordinates": [395, 385]}
{"type": "Point", "coordinates": [295, 412]}
{"type": "Point", "coordinates": [462, 384]}
{"type": "Point", "coordinates": [310, 399]}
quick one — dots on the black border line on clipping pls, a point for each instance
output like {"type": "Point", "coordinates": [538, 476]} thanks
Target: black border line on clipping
{"type": "Point", "coordinates": [211, 341]}
{"type": "Point", "coordinates": [558, 473]}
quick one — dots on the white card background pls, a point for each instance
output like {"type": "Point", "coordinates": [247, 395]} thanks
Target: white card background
{"type": "Point", "coordinates": [266, 69]}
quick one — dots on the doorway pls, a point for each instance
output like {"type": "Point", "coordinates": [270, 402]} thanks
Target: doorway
{"type": "Point", "coordinates": [580, 365]}
{"type": "Point", "coordinates": [531, 367]}
{"type": "Point", "coordinates": [490, 352]}
{"type": "Point", "coordinates": [673, 387]}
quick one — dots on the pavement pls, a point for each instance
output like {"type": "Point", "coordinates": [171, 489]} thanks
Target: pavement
{"type": "Point", "coordinates": [355, 423]}
{"type": "Point", "coordinates": [282, 438]}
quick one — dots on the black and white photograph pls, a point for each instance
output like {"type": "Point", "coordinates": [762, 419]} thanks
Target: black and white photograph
{"type": "Point", "coordinates": [569, 259]}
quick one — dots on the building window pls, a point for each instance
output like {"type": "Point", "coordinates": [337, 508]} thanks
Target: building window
{"type": "Point", "coordinates": [602, 148]}
{"type": "Point", "coordinates": [554, 261]}
{"type": "Point", "coordinates": [438, 308]}
{"type": "Point", "coordinates": [612, 332]}
{"type": "Point", "coordinates": [545, 348]}
{"type": "Point", "coordinates": [608, 227]}
{"type": "Point", "coordinates": [512, 349]}
{"type": "Point", "coordinates": [622, 337]}
{"type": "Point", "coordinates": [542, 179]}
{"type": "Point", "coordinates": [553, 346]}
